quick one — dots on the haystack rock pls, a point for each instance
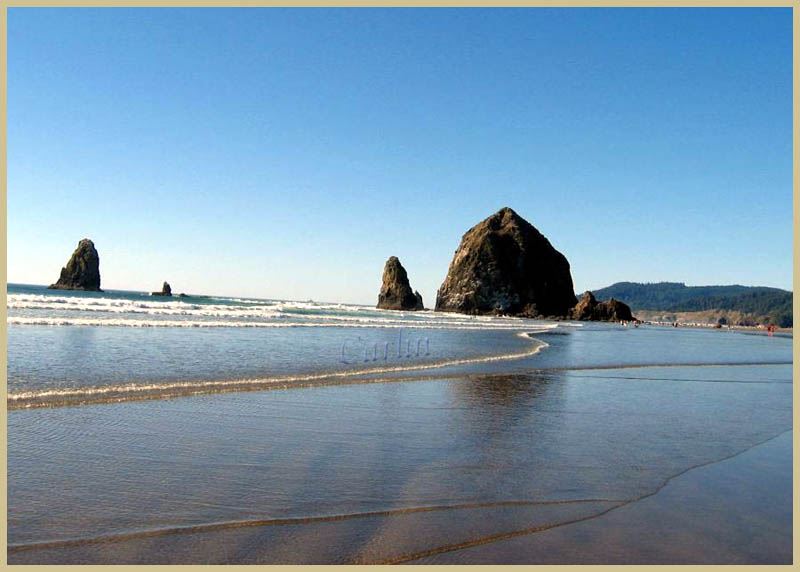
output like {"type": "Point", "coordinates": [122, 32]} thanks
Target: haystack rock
{"type": "Point", "coordinates": [165, 291]}
{"type": "Point", "coordinates": [396, 293]}
{"type": "Point", "coordinates": [609, 311]}
{"type": "Point", "coordinates": [505, 266]}
{"type": "Point", "coordinates": [82, 272]}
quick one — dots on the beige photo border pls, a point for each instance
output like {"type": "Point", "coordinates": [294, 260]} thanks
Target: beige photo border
{"type": "Point", "coordinates": [4, 4]}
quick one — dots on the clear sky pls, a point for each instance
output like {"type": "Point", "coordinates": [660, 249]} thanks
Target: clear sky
{"type": "Point", "coordinates": [287, 153]}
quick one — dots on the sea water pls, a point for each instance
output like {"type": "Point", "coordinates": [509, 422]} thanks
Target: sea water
{"type": "Point", "coordinates": [132, 415]}
{"type": "Point", "coordinates": [67, 347]}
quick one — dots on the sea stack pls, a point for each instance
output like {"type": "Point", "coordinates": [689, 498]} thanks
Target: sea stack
{"type": "Point", "coordinates": [82, 272]}
{"type": "Point", "coordinates": [609, 311]}
{"type": "Point", "coordinates": [396, 293]}
{"type": "Point", "coordinates": [165, 291]}
{"type": "Point", "coordinates": [504, 266]}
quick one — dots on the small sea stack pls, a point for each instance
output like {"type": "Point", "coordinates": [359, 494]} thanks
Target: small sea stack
{"type": "Point", "coordinates": [396, 293]}
{"type": "Point", "coordinates": [165, 291]}
{"type": "Point", "coordinates": [589, 309]}
{"type": "Point", "coordinates": [504, 266]}
{"type": "Point", "coordinates": [82, 272]}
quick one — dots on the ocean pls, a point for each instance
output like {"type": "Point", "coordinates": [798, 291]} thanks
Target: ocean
{"type": "Point", "coordinates": [240, 430]}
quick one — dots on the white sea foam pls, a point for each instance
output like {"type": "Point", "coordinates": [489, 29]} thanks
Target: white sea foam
{"type": "Point", "coordinates": [152, 309]}
{"type": "Point", "coordinates": [120, 306]}
{"type": "Point", "coordinates": [39, 301]}
{"type": "Point", "coordinates": [54, 310]}
{"type": "Point", "coordinates": [163, 323]}
{"type": "Point", "coordinates": [124, 305]}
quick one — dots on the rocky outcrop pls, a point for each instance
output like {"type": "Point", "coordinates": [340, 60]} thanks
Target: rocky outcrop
{"type": "Point", "coordinates": [609, 311]}
{"type": "Point", "coordinates": [505, 266]}
{"type": "Point", "coordinates": [584, 309]}
{"type": "Point", "coordinates": [165, 291]}
{"type": "Point", "coordinates": [396, 293]}
{"type": "Point", "coordinates": [82, 272]}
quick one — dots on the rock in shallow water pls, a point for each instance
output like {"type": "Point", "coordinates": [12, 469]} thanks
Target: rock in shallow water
{"type": "Point", "coordinates": [505, 266]}
{"type": "Point", "coordinates": [396, 293]}
{"type": "Point", "coordinates": [82, 272]}
{"type": "Point", "coordinates": [609, 311]}
{"type": "Point", "coordinates": [166, 290]}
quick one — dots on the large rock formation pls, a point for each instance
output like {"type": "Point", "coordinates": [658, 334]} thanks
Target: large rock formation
{"type": "Point", "coordinates": [82, 272]}
{"type": "Point", "coordinates": [165, 290]}
{"type": "Point", "coordinates": [505, 266]}
{"type": "Point", "coordinates": [396, 293]}
{"type": "Point", "coordinates": [609, 311]}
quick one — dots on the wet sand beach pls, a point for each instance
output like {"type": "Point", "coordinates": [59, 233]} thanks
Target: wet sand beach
{"type": "Point", "coordinates": [734, 511]}
{"type": "Point", "coordinates": [632, 465]}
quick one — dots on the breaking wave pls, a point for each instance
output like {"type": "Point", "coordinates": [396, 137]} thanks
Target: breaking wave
{"type": "Point", "coordinates": [332, 323]}
{"type": "Point", "coordinates": [142, 312]}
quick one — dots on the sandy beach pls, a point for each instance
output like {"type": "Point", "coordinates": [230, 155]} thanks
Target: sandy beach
{"type": "Point", "coordinates": [731, 511]}
{"type": "Point", "coordinates": [659, 464]}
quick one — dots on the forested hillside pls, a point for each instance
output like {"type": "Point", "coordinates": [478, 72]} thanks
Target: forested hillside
{"type": "Point", "coordinates": [765, 305]}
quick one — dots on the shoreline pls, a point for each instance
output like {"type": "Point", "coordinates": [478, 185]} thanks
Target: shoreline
{"type": "Point", "coordinates": [169, 390]}
{"type": "Point", "coordinates": [702, 326]}
{"type": "Point", "coordinates": [116, 395]}
{"type": "Point", "coordinates": [495, 445]}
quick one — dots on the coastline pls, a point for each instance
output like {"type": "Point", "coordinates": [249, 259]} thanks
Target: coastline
{"type": "Point", "coordinates": [701, 326]}
{"type": "Point", "coordinates": [708, 326]}
{"type": "Point", "coordinates": [325, 446]}
{"type": "Point", "coordinates": [426, 197]}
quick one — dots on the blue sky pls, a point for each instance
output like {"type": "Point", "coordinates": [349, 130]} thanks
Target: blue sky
{"type": "Point", "coordinates": [287, 153]}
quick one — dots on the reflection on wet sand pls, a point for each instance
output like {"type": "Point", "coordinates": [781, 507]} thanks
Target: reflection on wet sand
{"type": "Point", "coordinates": [489, 532]}
{"type": "Point", "coordinates": [382, 473]}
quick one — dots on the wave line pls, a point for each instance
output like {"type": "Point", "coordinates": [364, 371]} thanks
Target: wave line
{"type": "Point", "coordinates": [541, 528]}
{"type": "Point", "coordinates": [131, 392]}
{"type": "Point", "coordinates": [215, 526]}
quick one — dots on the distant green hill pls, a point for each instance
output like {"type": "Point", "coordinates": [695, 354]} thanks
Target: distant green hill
{"type": "Point", "coordinates": [771, 305]}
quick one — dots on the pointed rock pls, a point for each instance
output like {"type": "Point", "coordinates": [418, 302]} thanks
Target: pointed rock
{"type": "Point", "coordinates": [505, 266]}
{"type": "Point", "coordinates": [82, 272]}
{"type": "Point", "coordinates": [396, 293]}
{"type": "Point", "coordinates": [165, 290]}
{"type": "Point", "coordinates": [584, 309]}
